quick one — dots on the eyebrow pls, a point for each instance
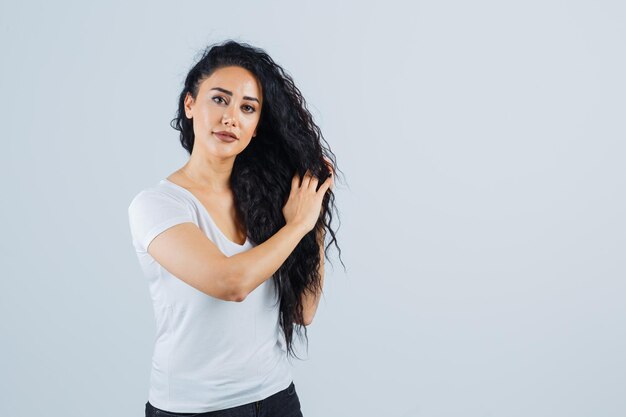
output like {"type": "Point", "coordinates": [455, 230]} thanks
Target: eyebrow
{"type": "Point", "coordinates": [230, 94]}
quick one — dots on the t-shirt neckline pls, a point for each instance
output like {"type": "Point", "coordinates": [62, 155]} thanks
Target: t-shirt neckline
{"type": "Point", "coordinates": [192, 195]}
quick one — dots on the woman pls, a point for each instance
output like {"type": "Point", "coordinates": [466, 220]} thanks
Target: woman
{"type": "Point", "coordinates": [232, 243]}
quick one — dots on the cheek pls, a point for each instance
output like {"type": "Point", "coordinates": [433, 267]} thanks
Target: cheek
{"type": "Point", "coordinates": [207, 119]}
{"type": "Point", "coordinates": [252, 123]}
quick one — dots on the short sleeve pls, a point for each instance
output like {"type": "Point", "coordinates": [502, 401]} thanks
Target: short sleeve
{"type": "Point", "coordinates": [152, 212]}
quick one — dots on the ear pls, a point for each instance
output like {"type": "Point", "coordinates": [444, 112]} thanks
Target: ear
{"type": "Point", "coordinates": [188, 103]}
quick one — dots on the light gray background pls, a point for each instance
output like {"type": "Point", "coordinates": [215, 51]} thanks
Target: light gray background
{"type": "Point", "coordinates": [482, 208]}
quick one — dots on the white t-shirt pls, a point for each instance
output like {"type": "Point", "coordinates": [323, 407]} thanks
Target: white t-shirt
{"type": "Point", "coordinates": [209, 354]}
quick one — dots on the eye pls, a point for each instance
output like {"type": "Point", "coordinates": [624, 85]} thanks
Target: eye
{"type": "Point", "coordinates": [220, 98]}
{"type": "Point", "coordinates": [250, 107]}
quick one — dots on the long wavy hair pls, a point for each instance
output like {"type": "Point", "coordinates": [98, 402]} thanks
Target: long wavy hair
{"type": "Point", "coordinates": [287, 141]}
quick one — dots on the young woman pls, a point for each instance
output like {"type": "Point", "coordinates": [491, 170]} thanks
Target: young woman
{"type": "Point", "coordinates": [232, 243]}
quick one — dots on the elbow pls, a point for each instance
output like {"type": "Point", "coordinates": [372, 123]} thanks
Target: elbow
{"type": "Point", "coordinates": [236, 293]}
{"type": "Point", "coordinates": [234, 290]}
{"type": "Point", "coordinates": [237, 298]}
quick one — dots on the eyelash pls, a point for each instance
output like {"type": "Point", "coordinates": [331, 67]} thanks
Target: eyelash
{"type": "Point", "coordinates": [247, 105]}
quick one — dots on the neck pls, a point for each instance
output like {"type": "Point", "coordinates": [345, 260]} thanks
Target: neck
{"type": "Point", "coordinates": [211, 175]}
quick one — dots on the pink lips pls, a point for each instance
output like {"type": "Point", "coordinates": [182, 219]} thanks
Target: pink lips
{"type": "Point", "coordinates": [225, 138]}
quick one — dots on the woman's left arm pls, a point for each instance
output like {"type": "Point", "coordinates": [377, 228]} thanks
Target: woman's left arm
{"type": "Point", "coordinates": [311, 301]}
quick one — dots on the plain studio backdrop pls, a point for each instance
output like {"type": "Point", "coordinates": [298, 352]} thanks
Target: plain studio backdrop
{"type": "Point", "coordinates": [481, 197]}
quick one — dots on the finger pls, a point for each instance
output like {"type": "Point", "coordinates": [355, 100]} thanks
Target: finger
{"type": "Point", "coordinates": [313, 182]}
{"type": "Point", "coordinates": [295, 181]}
{"type": "Point", "coordinates": [327, 184]}
{"type": "Point", "coordinates": [306, 179]}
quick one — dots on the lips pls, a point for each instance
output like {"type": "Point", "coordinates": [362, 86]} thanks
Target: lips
{"type": "Point", "coordinates": [225, 133]}
{"type": "Point", "coordinates": [224, 138]}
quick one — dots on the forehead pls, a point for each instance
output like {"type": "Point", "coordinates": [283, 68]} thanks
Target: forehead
{"type": "Point", "coordinates": [236, 79]}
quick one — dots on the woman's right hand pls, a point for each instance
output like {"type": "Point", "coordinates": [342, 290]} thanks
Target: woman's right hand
{"type": "Point", "coordinates": [304, 204]}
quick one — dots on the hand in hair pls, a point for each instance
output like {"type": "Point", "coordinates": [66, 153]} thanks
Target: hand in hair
{"type": "Point", "coordinates": [305, 203]}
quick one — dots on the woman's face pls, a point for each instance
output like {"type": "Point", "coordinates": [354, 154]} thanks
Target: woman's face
{"type": "Point", "coordinates": [229, 100]}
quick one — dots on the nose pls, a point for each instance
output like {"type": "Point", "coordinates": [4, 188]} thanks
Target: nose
{"type": "Point", "coordinates": [228, 118]}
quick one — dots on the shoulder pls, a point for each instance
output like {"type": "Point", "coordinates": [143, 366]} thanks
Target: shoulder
{"type": "Point", "coordinates": [154, 209]}
{"type": "Point", "coordinates": [155, 197]}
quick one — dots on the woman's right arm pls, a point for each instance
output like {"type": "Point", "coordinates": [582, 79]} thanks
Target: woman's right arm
{"type": "Point", "coordinates": [187, 253]}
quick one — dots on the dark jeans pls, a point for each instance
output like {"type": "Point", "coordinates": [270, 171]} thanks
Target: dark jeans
{"type": "Point", "coordinates": [284, 403]}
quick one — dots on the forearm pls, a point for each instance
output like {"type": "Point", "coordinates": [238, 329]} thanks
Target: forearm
{"type": "Point", "coordinates": [255, 266]}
